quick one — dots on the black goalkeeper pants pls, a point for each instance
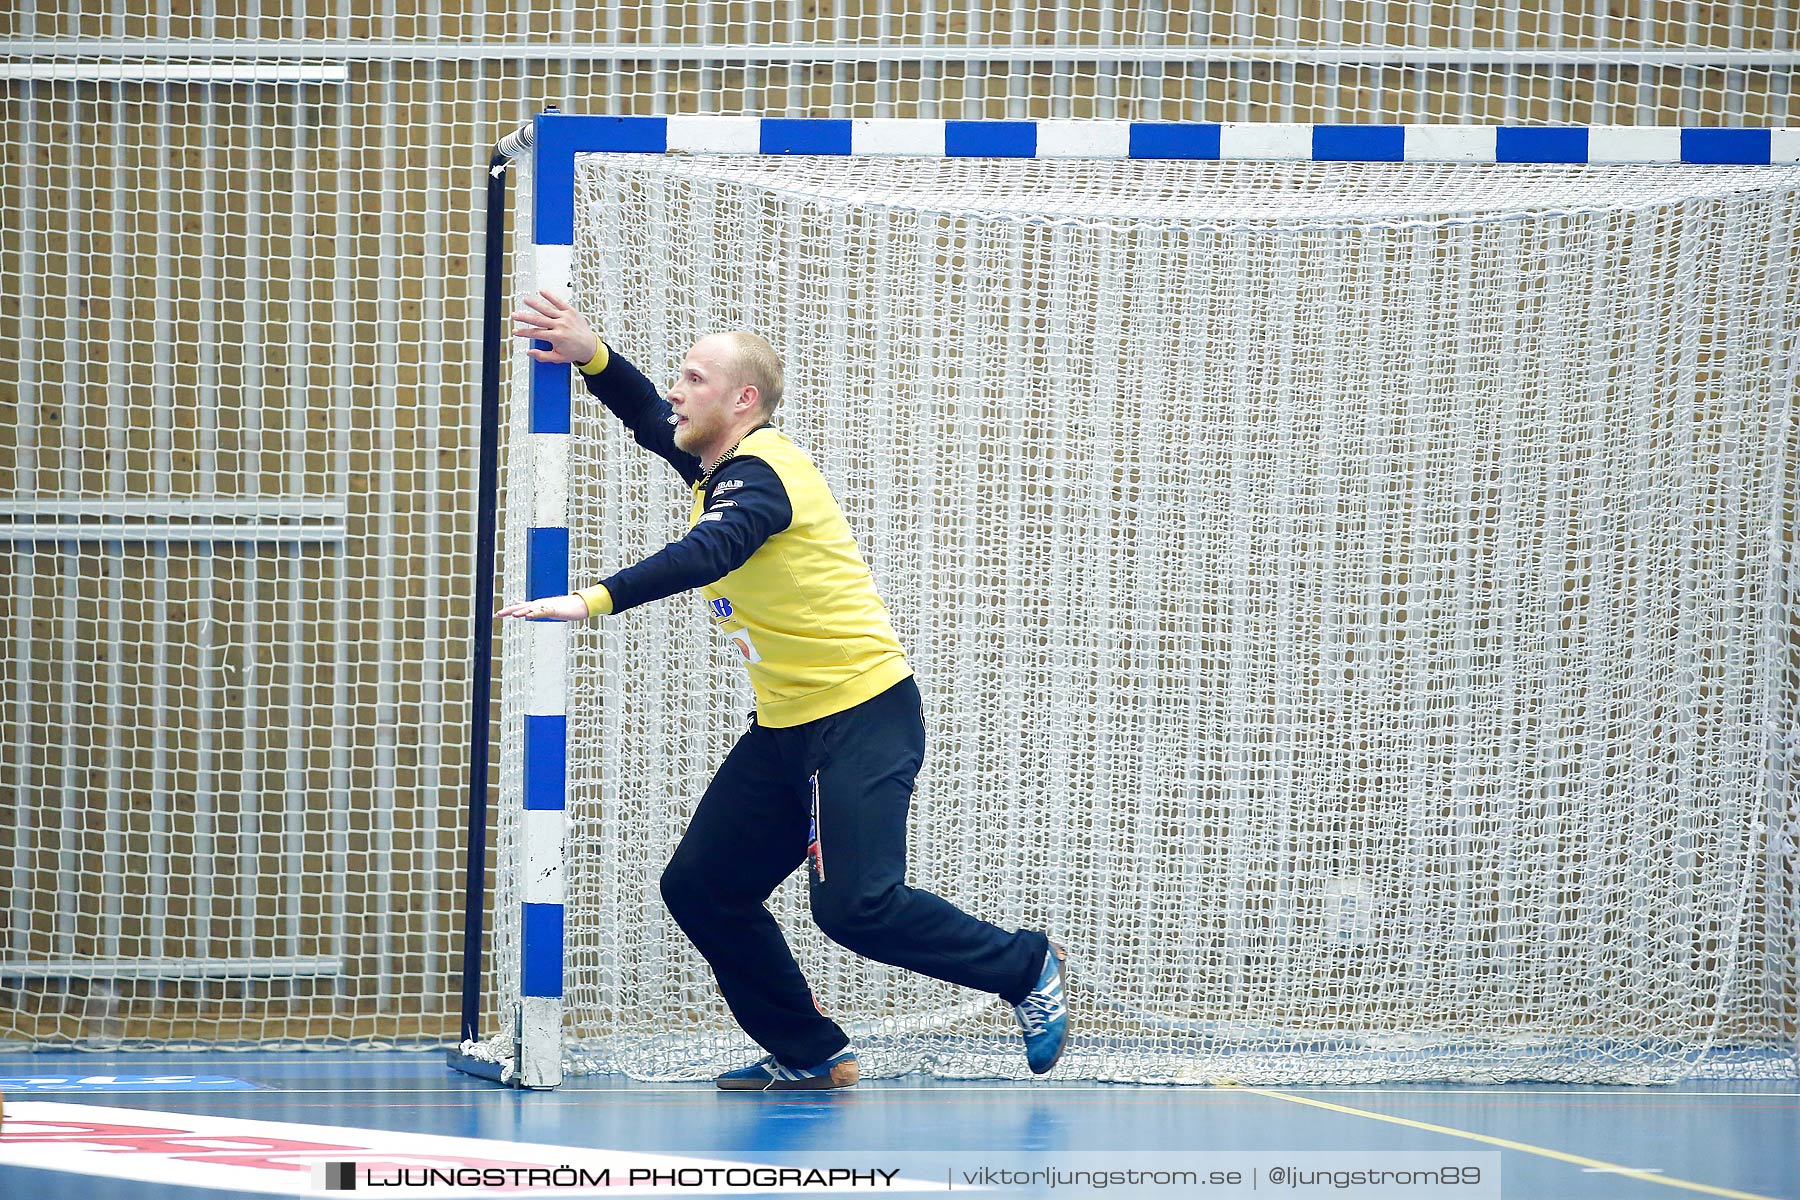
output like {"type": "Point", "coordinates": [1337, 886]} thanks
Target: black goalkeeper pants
{"type": "Point", "coordinates": [831, 793]}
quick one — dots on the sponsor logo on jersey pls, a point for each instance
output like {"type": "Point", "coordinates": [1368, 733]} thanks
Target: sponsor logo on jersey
{"type": "Point", "coordinates": [724, 504]}
{"type": "Point", "coordinates": [741, 639]}
{"type": "Point", "coordinates": [711, 516]}
{"type": "Point", "coordinates": [728, 485]}
{"type": "Point", "coordinates": [721, 607]}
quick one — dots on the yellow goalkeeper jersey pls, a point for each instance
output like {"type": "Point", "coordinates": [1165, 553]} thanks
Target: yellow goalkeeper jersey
{"type": "Point", "coordinates": [802, 609]}
{"type": "Point", "coordinates": [769, 549]}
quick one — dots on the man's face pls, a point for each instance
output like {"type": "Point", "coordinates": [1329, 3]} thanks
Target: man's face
{"type": "Point", "coordinates": [706, 399]}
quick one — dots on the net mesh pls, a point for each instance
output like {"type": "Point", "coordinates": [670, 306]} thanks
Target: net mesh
{"type": "Point", "coordinates": [1463, 60]}
{"type": "Point", "coordinates": [1357, 629]}
{"type": "Point", "coordinates": [235, 705]}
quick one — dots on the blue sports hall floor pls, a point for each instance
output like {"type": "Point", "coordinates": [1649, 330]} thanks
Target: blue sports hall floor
{"type": "Point", "coordinates": [185, 1126]}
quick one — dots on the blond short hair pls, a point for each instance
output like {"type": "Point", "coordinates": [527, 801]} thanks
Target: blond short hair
{"type": "Point", "coordinates": [754, 361]}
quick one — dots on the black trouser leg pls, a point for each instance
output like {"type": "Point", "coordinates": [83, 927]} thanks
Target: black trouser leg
{"type": "Point", "coordinates": [747, 835]}
{"type": "Point", "coordinates": [863, 763]}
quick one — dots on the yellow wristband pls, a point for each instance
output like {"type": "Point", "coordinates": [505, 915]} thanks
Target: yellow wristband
{"type": "Point", "coordinates": [597, 599]}
{"type": "Point", "coordinates": [597, 364]}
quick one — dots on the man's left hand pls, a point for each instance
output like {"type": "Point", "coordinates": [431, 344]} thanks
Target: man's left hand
{"type": "Point", "coordinates": [554, 608]}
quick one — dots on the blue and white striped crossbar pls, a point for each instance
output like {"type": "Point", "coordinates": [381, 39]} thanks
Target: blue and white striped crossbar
{"type": "Point", "coordinates": [562, 136]}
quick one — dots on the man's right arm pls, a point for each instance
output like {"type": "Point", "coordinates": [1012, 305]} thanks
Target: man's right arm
{"type": "Point", "coordinates": [634, 400]}
{"type": "Point", "coordinates": [560, 334]}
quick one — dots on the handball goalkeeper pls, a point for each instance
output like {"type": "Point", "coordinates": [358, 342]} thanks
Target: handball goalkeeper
{"type": "Point", "coordinates": [824, 775]}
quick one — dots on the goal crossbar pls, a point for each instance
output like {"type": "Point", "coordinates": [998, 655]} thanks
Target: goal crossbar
{"type": "Point", "coordinates": [562, 136]}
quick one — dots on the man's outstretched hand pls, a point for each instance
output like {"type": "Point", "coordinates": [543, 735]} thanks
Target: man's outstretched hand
{"type": "Point", "coordinates": [545, 317]}
{"type": "Point", "coordinates": [555, 608]}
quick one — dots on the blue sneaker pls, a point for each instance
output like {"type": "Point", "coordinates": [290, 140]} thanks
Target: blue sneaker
{"type": "Point", "coordinates": [1044, 1014]}
{"type": "Point", "coordinates": [770, 1076]}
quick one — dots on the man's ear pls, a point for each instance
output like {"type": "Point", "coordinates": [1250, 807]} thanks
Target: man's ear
{"type": "Point", "coordinates": [748, 397]}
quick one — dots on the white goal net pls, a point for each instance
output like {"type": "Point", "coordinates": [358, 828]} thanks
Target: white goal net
{"type": "Point", "coordinates": [1351, 602]}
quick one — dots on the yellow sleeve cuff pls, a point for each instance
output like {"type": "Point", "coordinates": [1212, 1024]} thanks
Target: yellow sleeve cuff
{"type": "Point", "coordinates": [597, 598]}
{"type": "Point", "coordinates": [598, 363]}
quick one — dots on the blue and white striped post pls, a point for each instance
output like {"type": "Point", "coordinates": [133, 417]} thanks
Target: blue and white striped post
{"type": "Point", "coordinates": [546, 757]}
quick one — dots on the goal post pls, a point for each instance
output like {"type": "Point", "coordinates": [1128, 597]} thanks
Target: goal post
{"type": "Point", "coordinates": [1349, 568]}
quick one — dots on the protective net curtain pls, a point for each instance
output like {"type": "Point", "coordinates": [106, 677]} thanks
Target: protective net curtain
{"type": "Point", "coordinates": [1345, 597]}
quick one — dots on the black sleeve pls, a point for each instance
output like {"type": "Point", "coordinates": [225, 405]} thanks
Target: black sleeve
{"type": "Point", "coordinates": [745, 506]}
{"type": "Point", "coordinates": [635, 400]}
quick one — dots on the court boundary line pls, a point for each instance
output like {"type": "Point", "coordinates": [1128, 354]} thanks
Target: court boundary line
{"type": "Point", "coordinates": [1564, 1156]}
